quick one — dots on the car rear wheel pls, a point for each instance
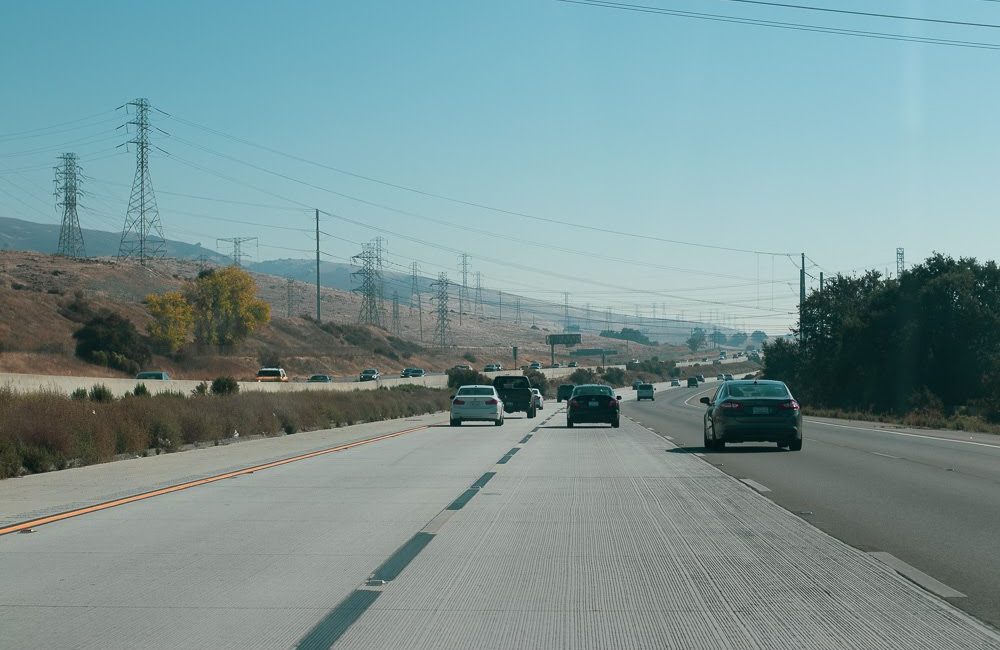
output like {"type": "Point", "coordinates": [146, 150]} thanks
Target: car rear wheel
{"type": "Point", "coordinates": [795, 445]}
{"type": "Point", "coordinates": [616, 423]}
{"type": "Point", "coordinates": [531, 412]}
{"type": "Point", "coordinates": [456, 423]}
{"type": "Point", "coordinates": [569, 424]}
{"type": "Point", "coordinates": [498, 422]}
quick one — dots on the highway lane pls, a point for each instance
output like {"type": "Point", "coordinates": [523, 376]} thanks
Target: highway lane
{"type": "Point", "coordinates": [931, 501]}
{"type": "Point", "coordinates": [529, 535]}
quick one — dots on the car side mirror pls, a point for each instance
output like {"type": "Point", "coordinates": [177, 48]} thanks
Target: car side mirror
{"type": "Point", "coordinates": [618, 397]}
{"type": "Point", "coordinates": [705, 400]}
{"type": "Point", "coordinates": [452, 397]}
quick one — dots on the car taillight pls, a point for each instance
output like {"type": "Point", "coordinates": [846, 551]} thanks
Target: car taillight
{"type": "Point", "coordinates": [573, 403]}
{"type": "Point", "coordinates": [790, 405]}
{"type": "Point", "coordinates": [613, 402]}
{"type": "Point", "coordinates": [492, 401]}
{"type": "Point", "coordinates": [458, 402]}
{"type": "Point", "coordinates": [730, 406]}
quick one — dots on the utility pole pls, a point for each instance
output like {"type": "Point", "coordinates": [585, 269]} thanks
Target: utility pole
{"type": "Point", "coordinates": [565, 311]}
{"type": "Point", "coordinates": [900, 262]}
{"type": "Point", "coordinates": [463, 269]}
{"type": "Point", "coordinates": [319, 318]}
{"type": "Point", "coordinates": [442, 331]}
{"type": "Point", "coordinates": [517, 310]}
{"type": "Point", "coordinates": [142, 235]}
{"type": "Point", "coordinates": [395, 327]}
{"type": "Point", "coordinates": [500, 317]}
{"type": "Point", "coordinates": [370, 313]}
{"type": "Point", "coordinates": [237, 243]}
{"type": "Point", "coordinates": [820, 283]}
{"type": "Point", "coordinates": [68, 190]}
{"type": "Point", "coordinates": [802, 298]}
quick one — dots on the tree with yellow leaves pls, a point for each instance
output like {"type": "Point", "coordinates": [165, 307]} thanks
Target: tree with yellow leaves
{"type": "Point", "coordinates": [225, 306]}
{"type": "Point", "coordinates": [173, 320]}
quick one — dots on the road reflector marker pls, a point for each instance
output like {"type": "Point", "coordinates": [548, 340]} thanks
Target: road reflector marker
{"type": "Point", "coordinates": [914, 574]}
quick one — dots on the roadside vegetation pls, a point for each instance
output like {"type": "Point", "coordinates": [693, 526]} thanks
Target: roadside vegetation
{"type": "Point", "coordinates": [921, 349]}
{"type": "Point", "coordinates": [40, 432]}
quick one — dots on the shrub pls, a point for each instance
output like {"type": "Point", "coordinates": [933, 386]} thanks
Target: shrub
{"type": "Point", "coordinates": [140, 390]}
{"type": "Point", "coordinates": [269, 359]}
{"type": "Point", "coordinates": [79, 394]}
{"type": "Point", "coordinates": [111, 340]}
{"type": "Point", "coordinates": [458, 377]}
{"type": "Point", "coordinates": [538, 380]}
{"type": "Point", "coordinates": [582, 376]}
{"type": "Point", "coordinates": [225, 386]}
{"type": "Point", "coordinates": [200, 389]}
{"type": "Point", "coordinates": [100, 393]}
{"type": "Point", "coordinates": [614, 376]}
{"type": "Point", "coordinates": [471, 358]}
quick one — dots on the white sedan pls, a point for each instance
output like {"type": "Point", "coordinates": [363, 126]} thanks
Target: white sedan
{"type": "Point", "coordinates": [476, 403]}
{"type": "Point", "coordinates": [539, 399]}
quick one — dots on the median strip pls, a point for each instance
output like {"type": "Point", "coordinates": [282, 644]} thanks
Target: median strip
{"type": "Point", "coordinates": [41, 521]}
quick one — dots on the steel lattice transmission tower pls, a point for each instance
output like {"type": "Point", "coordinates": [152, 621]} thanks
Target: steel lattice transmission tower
{"type": "Point", "coordinates": [291, 297]}
{"type": "Point", "coordinates": [237, 243]}
{"type": "Point", "coordinates": [142, 236]}
{"type": "Point", "coordinates": [900, 262]}
{"type": "Point", "coordinates": [442, 330]}
{"type": "Point", "coordinates": [415, 295]}
{"type": "Point", "coordinates": [463, 289]}
{"type": "Point", "coordinates": [370, 278]}
{"type": "Point", "coordinates": [395, 326]}
{"type": "Point", "coordinates": [479, 294]}
{"type": "Point", "coordinates": [68, 179]}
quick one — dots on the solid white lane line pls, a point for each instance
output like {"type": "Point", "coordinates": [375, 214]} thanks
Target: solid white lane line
{"type": "Point", "coordinates": [755, 485]}
{"type": "Point", "coordinates": [687, 402]}
{"type": "Point", "coordinates": [886, 455]}
{"type": "Point", "coordinates": [669, 437]}
{"type": "Point", "coordinates": [699, 454]}
{"type": "Point", "coordinates": [916, 575]}
{"type": "Point", "coordinates": [901, 433]}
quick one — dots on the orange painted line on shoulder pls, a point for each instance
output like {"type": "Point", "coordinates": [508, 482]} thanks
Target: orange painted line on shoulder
{"type": "Point", "coordinates": [97, 507]}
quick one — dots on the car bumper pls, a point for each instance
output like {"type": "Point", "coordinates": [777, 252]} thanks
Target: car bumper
{"type": "Point", "coordinates": [592, 416]}
{"type": "Point", "coordinates": [772, 430]}
{"type": "Point", "coordinates": [474, 415]}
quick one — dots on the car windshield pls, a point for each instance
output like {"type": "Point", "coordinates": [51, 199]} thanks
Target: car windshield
{"type": "Point", "coordinates": [475, 390]}
{"type": "Point", "coordinates": [369, 371]}
{"type": "Point", "coordinates": [269, 373]}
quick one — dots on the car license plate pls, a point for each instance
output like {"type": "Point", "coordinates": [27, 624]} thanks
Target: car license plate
{"type": "Point", "coordinates": [593, 404]}
{"type": "Point", "coordinates": [761, 410]}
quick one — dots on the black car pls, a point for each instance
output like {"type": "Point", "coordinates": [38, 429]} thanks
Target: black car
{"type": "Point", "coordinates": [320, 379]}
{"type": "Point", "coordinates": [593, 403]}
{"type": "Point", "coordinates": [692, 382]}
{"type": "Point", "coordinates": [752, 411]}
{"type": "Point", "coordinates": [564, 391]}
{"type": "Point", "coordinates": [412, 372]}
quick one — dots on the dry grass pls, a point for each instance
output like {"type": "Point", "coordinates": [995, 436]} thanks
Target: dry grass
{"type": "Point", "coordinates": [45, 431]}
{"type": "Point", "coordinates": [922, 419]}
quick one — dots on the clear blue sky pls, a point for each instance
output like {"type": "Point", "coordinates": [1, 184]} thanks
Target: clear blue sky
{"type": "Point", "coordinates": [740, 136]}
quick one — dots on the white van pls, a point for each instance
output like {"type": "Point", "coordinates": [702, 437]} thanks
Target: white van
{"type": "Point", "coordinates": [644, 391]}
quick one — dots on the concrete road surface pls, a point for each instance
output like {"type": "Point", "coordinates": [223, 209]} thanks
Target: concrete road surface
{"type": "Point", "coordinates": [929, 498]}
{"type": "Point", "coordinates": [529, 535]}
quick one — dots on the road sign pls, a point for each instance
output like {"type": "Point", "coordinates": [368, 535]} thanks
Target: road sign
{"type": "Point", "coordinates": [562, 339]}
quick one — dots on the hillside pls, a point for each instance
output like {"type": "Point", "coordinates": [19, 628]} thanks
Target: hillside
{"type": "Point", "coordinates": [42, 297]}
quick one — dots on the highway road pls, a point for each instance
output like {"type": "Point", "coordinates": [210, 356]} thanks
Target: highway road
{"type": "Point", "coordinates": [529, 535]}
{"type": "Point", "coordinates": [931, 499]}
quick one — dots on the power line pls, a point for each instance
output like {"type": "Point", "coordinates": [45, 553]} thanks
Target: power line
{"type": "Point", "coordinates": [866, 13]}
{"type": "Point", "coordinates": [802, 27]}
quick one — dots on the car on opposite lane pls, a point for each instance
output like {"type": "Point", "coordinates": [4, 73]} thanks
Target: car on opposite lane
{"type": "Point", "coordinates": [534, 365]}
{"type": "Point", "coordinates": [319, 379]}
{"type": "Point", "coordinates": [593, 403]}
{"type": "Point", "coordinates": [476, 403]}
{"type": "Point", "coordinates": [157, 375]}
{"type": "Point", "coordinates": [412, 372]}
{"type": "Point", "coordinates": [572, 364]}
{"type": "Point", "coordinates": [492, 367]}
{"type": "Point", "coordinates": [752, 411]}
{"type": "Point", "coordinates": [369, 374]}
{"type": "Point", "coordinates": [271, 374]}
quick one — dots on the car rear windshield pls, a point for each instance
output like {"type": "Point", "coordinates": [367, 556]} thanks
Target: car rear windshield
{"type": "Point", "coordinates": [758, 390]}
{"type": "Point", "coordinates": [593, 390]}
{"type": "Point", "coordinates": [475, 390]}
{"type": "Point", "coordinates": [269, 373]}
{"type": "Point", "coordinates": [645, 386]}
{"type": "Point", "coordinates": [511, 382]}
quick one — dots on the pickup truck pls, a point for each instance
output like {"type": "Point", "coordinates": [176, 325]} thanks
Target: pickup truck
{"type": "Point", "coordinates": [515, 393]}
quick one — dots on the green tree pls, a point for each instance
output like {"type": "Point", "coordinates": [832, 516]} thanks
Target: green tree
{"type": "Point", "coordinates": [738, 339]}
{"type": "Point", "coordinates": [757, 338]}
{"type": "Point", "coordinates": [226, 307]}
{"type": "Point", "coordinates": [111, 340]}
{"type": "Point", "coordinates": [173, 320]}
{"type": "Point", "coordinates": [696, 341]}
